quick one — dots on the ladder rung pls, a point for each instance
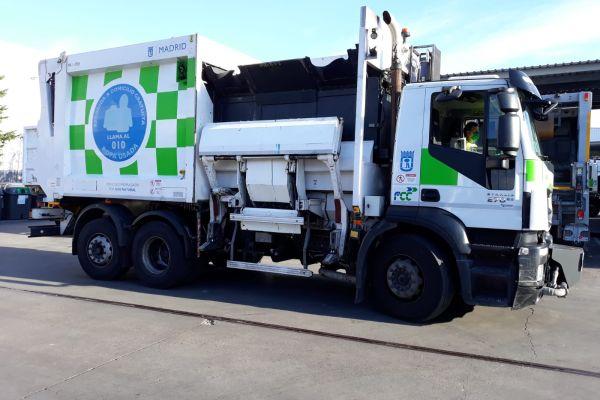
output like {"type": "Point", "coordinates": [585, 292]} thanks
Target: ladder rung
{"type": "Point", "coordinates": [267, 219]}
{"type": "Point", "coordinates": [274, 269]}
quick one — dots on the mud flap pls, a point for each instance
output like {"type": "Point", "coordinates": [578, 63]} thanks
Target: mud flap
{"type": "Point", "coordinates": [526, 296]}
{"type": "Point", "coordinates": [570, 261]}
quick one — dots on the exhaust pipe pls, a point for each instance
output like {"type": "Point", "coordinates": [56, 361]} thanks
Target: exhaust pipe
{"type": "Point", "coordinates": [396, 69]}
{"type": "Point", "coordinates": [554, 289]}
{"type": "Point", "coordinates": [560, 291]}
{"type": "Point", "coordinates": [337, 276]}
{"type": "Point", "coordinates": [393, 25]}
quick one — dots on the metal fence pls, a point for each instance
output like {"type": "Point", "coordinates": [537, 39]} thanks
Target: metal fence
{"type": "Point", "coordinates": [11, 176]}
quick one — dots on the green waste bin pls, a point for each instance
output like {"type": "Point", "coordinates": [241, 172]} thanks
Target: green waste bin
{"type": "Point", "coordinates": [17, 202]}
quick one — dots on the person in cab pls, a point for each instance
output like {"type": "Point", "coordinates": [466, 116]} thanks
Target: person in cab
{"type": "Point", "coordinates": [471, 132]}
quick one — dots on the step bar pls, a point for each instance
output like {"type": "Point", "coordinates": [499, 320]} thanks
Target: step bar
{"type": "Point", "coordinates": [273, 269]}
{"type": "Point", "coordinates": [269, 220]}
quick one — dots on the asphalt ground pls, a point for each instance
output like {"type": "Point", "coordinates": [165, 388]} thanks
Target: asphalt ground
{"type": "Point", "coordinates": [237, 334]}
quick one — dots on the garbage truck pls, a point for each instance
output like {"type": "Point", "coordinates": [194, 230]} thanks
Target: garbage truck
{"type": "Point", "coordinates": [365, 168]}
{"type": "Point", "coordinates": [564, 135]}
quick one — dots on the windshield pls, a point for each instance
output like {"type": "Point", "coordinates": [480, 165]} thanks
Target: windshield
{"type": "Point", "coordinates": [532, 133]}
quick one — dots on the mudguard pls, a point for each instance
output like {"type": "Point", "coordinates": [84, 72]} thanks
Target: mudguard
{"type": "Point", "coordinates": [570, 261]}
{"type": "Point", "coordinates": [120, 216]}
{"type": "Point", "coordinates": [172, 219]}
{"type": "Point", "coordinates": [440, 222]}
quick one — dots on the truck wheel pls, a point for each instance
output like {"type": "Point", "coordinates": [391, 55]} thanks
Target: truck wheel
{"type": "Point", "coordinates": [159, 256]}
{"type": "Point", "coordinates": [98, 251]}
{"type": "Point", "coordinates": [411, 278]}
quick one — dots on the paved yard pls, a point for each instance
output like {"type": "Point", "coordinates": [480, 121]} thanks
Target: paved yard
{"type": "Point", "coordinates": [57, 347]}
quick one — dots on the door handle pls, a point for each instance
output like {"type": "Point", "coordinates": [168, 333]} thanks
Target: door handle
{"type": "Point", "coordinates": [430, 195]}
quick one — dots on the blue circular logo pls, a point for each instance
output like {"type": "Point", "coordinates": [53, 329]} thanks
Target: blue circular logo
{"type": "Point", "coordinates": [119, 122]}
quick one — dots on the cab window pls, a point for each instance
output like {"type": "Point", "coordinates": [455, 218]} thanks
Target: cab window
{"type": "Point", "coordinates": [464, 132]}
{"type": "Point", "coordinates": [459, 123]}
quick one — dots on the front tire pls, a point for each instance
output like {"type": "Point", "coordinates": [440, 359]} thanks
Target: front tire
{"type": "Point", "coordinates": [98, 251]}
{"type": "Point", "coordinates": [411, 278]}
{"type": "Point", "coordinates": [159, 256]}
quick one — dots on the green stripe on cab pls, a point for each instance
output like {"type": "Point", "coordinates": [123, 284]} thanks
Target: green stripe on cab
{"type": "Point", "coordinates": [435, 172]}
{"type": "Point", "coordinates": [530, 170]}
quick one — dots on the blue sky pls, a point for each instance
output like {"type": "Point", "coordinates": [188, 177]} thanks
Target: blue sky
{"type": "Point", "coordinates": [471, 34]}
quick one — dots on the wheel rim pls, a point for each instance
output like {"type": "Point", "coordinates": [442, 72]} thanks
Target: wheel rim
{"type": "Point", "coordinates": [156, 255]}
{"type": "Point", "coordinates": [404, 278]}
{"type": "Point", "coordinates": [100, 250]}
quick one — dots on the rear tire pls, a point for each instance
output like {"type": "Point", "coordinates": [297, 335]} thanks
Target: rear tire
{"type": "Point", "coordinates": [411, 278]}
{"type": "Point", "coordinates": [159, 256]}
{"type": "Point", "coordinates": [98, 251]}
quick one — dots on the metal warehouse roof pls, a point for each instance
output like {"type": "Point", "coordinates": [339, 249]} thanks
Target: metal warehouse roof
{"type": "Point", "coordinates": [577, 76]}
{"type": "Point", "coordinates": [570, 67]}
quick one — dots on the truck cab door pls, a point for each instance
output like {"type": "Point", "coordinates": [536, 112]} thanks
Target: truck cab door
{"type": "Point", "coordinates": [460, 170]}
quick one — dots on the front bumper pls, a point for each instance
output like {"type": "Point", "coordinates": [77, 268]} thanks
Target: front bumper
{"type": "Point", "coordinates": [545, 265]}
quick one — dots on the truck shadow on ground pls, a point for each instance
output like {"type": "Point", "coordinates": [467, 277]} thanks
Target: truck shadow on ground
{"type": "Point", "coordinates": [46, 269]}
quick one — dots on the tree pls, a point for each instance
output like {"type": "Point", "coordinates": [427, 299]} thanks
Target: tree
{"type": "Point", "coordinates": [5, 136]}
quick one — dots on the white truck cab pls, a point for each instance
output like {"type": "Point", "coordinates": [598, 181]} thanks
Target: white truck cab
{"type": "Point", "coordinates": [443, 171]}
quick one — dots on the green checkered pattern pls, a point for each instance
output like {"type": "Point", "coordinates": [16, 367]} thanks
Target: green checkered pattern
{"type": "Point", "coordinates": [170, 104]}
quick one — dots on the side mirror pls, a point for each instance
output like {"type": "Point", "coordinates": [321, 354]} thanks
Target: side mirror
{"type": "Point", "coordinates": [449, 94]}
{"type": "Point", "coordinates": [509, 134]}
{"type": "Point", "coordinates": [508, 101]}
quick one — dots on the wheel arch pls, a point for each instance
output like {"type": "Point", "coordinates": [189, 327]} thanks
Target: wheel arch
{"type": "Point", "coordinates": [174, 220]}
{"type": "Point", "coordinates": [119, 215]}
{"type": "Point", "coordinates": [443, 228]}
